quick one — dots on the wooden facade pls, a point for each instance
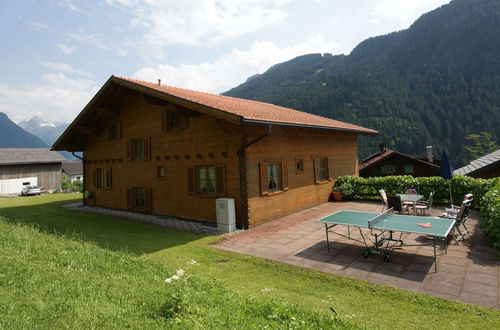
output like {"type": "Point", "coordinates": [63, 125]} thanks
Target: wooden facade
{"type": "Point", "coordinates": [390, 162]}
{"type": "Point", "coordinates": [150, 152]}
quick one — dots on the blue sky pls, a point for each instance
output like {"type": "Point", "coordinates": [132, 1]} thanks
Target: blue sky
{"type": "Point", "coordinates": [56, 54]}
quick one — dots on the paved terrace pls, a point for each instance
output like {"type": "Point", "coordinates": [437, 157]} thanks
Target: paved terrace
{"type": "Point", "coordinates": [469, 272]}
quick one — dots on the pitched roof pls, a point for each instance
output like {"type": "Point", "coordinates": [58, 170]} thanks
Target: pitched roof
{"type": "Point", "coordinates": [378, 157]}
{"type": "Point", "coordinates": [15, 156]}
{"type": "Point", "coordinates": [479, 164]}
{"type": "Point", "coordinates": [72, 167]}
{"type": "Point", "coordinates": [251, 111]}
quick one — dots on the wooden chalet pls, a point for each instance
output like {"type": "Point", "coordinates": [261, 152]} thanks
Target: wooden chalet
{"type": "Point", "coordinates": [171, 151]}
{"type": "Point", "coordinates": [485, 167]}
{"type": "Point", "coordinates": [389, 162]}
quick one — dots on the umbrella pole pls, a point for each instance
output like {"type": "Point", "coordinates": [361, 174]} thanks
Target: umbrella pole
{"type": "Point", "coordinates": [451, 197]}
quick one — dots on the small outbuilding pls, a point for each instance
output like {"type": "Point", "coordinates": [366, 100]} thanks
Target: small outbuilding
{"type": "Point", "coordinates": [485, 167]}
{"type": "Point", "coordinates": [154, 148]}
{"type": "Point", "coordinates": [21, 167]}
{"type": "Point", "coordinates": [73, 170]}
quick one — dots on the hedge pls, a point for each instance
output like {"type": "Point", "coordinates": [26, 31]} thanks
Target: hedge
{"type": "Point", "coordinates": [367, 188]}
{"type": "Point", "coordinates": [486, 194]}
{"type": "Point", "coordinates": [490, 215]}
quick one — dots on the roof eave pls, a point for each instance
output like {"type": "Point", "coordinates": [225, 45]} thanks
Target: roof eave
{"type": "Point", "coordinates": [338, 129]}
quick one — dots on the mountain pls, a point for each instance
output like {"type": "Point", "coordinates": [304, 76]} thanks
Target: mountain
{"type": "Point", "coordinates": [47, 131]}
{"type": "Point", "coordinates": [13, 136]}
{"type": "Point", "coordinates": [431, 84]}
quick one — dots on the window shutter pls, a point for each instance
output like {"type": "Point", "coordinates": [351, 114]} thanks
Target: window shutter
{"type": "Point", "coordinates": [329, 167]}
{"type": "Point", "coordinates": [147, 148]}
{"type": "Point", "coordinates": [164, 121]}
{"type": "Point", "coordinates": [119, 130]}
{"type": "Point", "coordinates": [284, 175]}
{"type": "Point", "coordinates": [184, 121]}
{"type": "Point", "coordinates": [264, 184]}
{"type": "Point", "coordinates": [129, 150]}
{"type": "Point", "coordinates": [191, 188]}
{"type": "Point", "coordinates": [110, 128]}
{"type": "Point", "coordinates": [316, 170]}
{"type": "Point", "coordinates": [148, 199]}
{"type": "Point", "coordinates": [108, 178]}
{"type": "Point", "coordinates": [129, 198]}
{"type": "Point", "coordinates": [220, 180]}
{"type": "Point", "coordinates": [96, 180]}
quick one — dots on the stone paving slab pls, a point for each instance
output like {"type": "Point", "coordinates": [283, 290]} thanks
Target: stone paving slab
{"type": "Point", "coordinates": [469, 272]}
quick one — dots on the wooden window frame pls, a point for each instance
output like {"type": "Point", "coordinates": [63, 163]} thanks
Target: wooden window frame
{"type": "Point", "coordinates": [159, 170]}
{"type": "Point", "coordinates": [322, 169]}
{"type": "Point", "coordinates": [174, 121]}
{"type": "Point", "coordinates": [388, 166]}
{"type": "Point", "coordinates": [264, 177]}
{"type": "Point", "coordinates": [115, 131]}
{"type": "Point", "coordinates": [132, 195]}
{"type": "Point", "coordinates": [134, 154]}
{"type": "Point", "coordinates": [299, 169]}
{"type": "Point", "coordinates": [103, 178]}
{"type": "Point", "coordinates": [193, 180]}
{"type": "Point", "coordinates": [407, 166]}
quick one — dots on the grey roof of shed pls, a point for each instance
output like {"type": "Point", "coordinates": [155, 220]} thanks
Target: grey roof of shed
{"type": "Point", "coordinates": [15, 156]}
{"type": "Point", "coordinates": [72, 167]}
{"type": "Point", "coordinates": [479, 164]}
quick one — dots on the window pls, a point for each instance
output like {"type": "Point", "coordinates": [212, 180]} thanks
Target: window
{"type": "Point", "coordinates": [388, 169]}
{"type": "Point", "coordinates": [115, 131]}
{"type": "Point", "coordinates": [139, 198]}
{"type": "Point", "coordinates": [174, 121]}
{"type": "Point", "coordinates": [408, 168]}
{"type": "Point", "coordinates": [299, 166]}
{"type": "Point", "coordinates": [160, 172]}
{"type": "Point", "coordinates": [139, 149]}
{"type": "Point", "coordinates": [206, 180]}
{"type": "Point", "coordinates": [273, 177]}
{"type": "Point", "coordinates": [322, 170]}
{"type": "Point", "coordinates": [102, 178]}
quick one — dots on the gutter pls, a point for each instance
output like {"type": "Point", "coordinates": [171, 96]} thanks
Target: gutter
{"type": "Point", "coordinates": [243, 177]}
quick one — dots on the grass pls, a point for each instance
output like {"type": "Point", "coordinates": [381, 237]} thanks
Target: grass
{"type": "Point", "coordinates": [73, 269]}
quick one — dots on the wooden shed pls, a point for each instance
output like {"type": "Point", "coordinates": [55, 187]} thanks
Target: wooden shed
{"type": "Point", "coordinates": [171, 151]}
{"type": "Point", "coordinates": [29, 166]}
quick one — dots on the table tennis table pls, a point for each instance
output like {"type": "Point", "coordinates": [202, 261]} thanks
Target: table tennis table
{"type": "Point", "coordinates": [382, 227]}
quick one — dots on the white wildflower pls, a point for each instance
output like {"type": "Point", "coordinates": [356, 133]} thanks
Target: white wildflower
{"type": "Point", "coordinates": [175, 277]}
{"type": "Point", "coordinates": [168, 280]}
{"type": "Point", "coordinates": [192, 262]}
{"type": "Point", "coordinates": [180, 272]}
{"type": "Point", "coordinates": [266, 290]}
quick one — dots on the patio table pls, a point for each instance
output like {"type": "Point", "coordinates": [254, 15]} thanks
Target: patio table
{"type": "Point", "coordinates": [412, 198]}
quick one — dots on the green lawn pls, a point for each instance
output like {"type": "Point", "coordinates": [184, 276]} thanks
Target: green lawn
{"type": "Point", "coordinates": [76, 269]}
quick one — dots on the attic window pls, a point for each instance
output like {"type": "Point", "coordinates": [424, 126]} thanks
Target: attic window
{"type": "Point", "coordinates": [115, 131]}
{"type": "Point", "coordinates": [174, 121]}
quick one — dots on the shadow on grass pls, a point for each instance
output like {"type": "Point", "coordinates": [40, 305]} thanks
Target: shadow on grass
{"type": "Point", "coordinates": [113, 233]}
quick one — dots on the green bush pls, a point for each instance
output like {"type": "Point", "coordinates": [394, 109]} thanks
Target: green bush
{"type": "Point", "coordinates": [367, 188]}
{"type": "Point", "coordinates": [490, 215]}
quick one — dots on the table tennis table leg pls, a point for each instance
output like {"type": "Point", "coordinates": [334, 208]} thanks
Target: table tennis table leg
{"type": "Point", "coordinates": [327, 241]}
{"type": "Point", "coordinates": [435, 258]}
{"type": "Point", "coordinates": [349, 231]}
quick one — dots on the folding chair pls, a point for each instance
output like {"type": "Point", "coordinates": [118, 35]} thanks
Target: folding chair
{"type": "Point", "coordinates": [425, 206]}
{"type": "Point", "coordinates": [383, 195]}
{"type": "Point", "coordinates": [460, 219]}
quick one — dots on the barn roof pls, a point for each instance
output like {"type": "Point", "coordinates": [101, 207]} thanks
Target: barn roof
{"type": "Point", "coordinates": [231, 108]}
{"type": "Point", "coordinates": [480, 164]}
{"type": "Point", "coordinates": [72, 167]}
{"type": "Point", "coordinates": [15, 156]}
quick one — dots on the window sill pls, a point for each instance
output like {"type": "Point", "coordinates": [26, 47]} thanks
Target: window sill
{"type": "Point", "coordinates": [323, 181]}
{"type": "Point", "coordinates": [206, 195]}
{"type": "Point", "coordinates": [273, 193]}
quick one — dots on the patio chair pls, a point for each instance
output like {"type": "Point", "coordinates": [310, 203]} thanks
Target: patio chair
{"type": "Point", "coordinates": [394, 202]}
{"type": "Point", "coordinates": [460, 219]}
{"type": "Point", "coordinates": [424, 206]}
{"type": "Point", "coordinates": [453, 211]}
{"type": "Point", "coordinates": [383, 195]}
{"type": "Point", "coordinates": [411, 191]}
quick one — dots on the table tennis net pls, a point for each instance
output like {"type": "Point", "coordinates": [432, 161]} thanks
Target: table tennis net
{"type": "Point", "coordinates": [382, 216]}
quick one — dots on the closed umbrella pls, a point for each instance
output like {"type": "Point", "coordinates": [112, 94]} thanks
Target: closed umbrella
{"type": "Point", "coordinates": [446, 172]}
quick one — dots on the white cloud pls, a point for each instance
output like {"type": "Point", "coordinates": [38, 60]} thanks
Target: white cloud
{"type": "Point", "coordinates": [63, 67]}
{"type": "Point", "coordinates": [402, 9]}
{"type": "Point", "coordinates": [39, 26]}
{"type": "Point", "coordinates": [89, 38]}
{"type": "Point", "coordinates": [70, 5]}
{"type": "Point", "coordinates": [198, 22]}
{"type": "Point", "coordinates": [56, 97]}
{"type": "Point", "coordinates": [232, 68]}
{"type": "Point", "coordinates": [66, 49]}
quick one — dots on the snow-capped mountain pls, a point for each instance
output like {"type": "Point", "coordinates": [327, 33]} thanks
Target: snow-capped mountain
{"type": "Point", "coordinates": [47, 131]}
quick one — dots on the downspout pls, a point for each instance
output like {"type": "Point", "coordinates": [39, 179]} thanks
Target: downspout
{"type": "Point", "coordinates": [84, 179]}
{"type": "Point", "coordinates": [243, 177]}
